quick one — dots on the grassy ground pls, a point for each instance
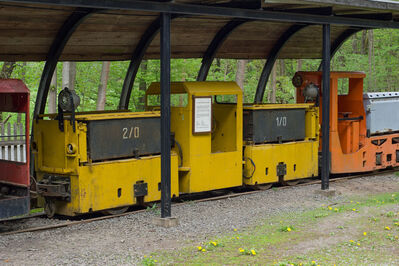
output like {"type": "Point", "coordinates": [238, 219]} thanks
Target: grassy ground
{"type": "Point", "coordinates": [360, 231]}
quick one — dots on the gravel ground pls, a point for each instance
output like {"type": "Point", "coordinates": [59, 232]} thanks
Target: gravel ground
{"type": "Point", "coordinates": [126, 239]}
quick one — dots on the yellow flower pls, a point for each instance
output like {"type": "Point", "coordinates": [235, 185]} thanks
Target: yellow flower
{"type": "Point", "coordinates": [396, 237]}
{"type": "Point", "coordinates": [235, 230]}
{"type": "Point", "coordinates": [289, 229]}
{"type": "Point", "coordinates": [313, 262]}
{"type": "Point", "coordinates": [358, 244]}
{"type": "Point", "coordinates": [354, 210]}
{"type": "Point", "coordinates": [351, 201]}
{"type": "Point", "coordinates": [387, 228]}
{"type": "Point", "coordinates": [365, 233]}
{"type": "Point", "coordinates": [199, 248]}
{"type": "Point", "coordinates": [237, 237]}
{"type": "Point", "coordinates": [203, 250]}
{"type": "Point", "coordinates": [329, 208]}
{"type": "Point", "coordinates": [214, 243]}
{"type": "Point", "coordinates": [253, 252]}
{"type": "Point", "coordinates": [155, 261]}
{"type": "Point", "coordinates": [150, 256]}
{"type": "Point", "coordinates": [335, 209]}
{"type": "Point", "coordinates": [397, 224]}
{"type": "Point", "coordinates": [241, 250]}
{"type": "Point", "coordinates": [145, 256]}
{"type": "Point", "coordinates": [351, 241]}
{"type": "Point", "coordinates": [357, 202]}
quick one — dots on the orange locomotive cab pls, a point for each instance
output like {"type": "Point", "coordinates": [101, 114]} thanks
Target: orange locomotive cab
{"type": "Point", "coordinates": [353, 149]}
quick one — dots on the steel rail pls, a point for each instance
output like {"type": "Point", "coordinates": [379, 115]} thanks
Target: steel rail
{"type": "Point", "coordinates": [71, 223]}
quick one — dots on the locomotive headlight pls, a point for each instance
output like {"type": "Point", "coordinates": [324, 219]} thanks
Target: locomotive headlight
{"type": "Point", "coordinates": [68, 100]}
{"type": "Point", "coordinates": [297, 80]}
{"type": "Point", "coordinates": [311, 91]}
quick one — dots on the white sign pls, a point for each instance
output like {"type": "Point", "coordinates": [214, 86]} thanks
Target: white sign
{"type": "Point", "coordinates": [202, 115]}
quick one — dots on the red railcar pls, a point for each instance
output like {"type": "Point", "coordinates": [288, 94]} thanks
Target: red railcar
{"type": "Point", "coordinates": [14, 174]}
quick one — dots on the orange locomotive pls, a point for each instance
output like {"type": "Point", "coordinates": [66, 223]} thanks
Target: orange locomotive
{"type": "Point", "coordinates": [355, 145]}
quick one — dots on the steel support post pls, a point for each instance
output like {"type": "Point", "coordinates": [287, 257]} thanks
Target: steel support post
{"type": "Point", "coordinates": [273, 55]}
{"type": "Point", "coordinates": [325, 156]}
{"type": "Point", "coordinates": [165, 116]}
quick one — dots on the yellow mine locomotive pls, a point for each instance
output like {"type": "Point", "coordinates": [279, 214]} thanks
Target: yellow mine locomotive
{"type": "Point", "coordinates": [107, 161]}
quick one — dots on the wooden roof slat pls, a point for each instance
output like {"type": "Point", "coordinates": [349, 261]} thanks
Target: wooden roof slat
{"type": "Point", "coordinates": [28, 30]}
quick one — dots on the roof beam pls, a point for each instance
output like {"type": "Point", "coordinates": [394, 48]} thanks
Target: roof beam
{"type": "Point", "coordinates": [273, 55]}
{"type": "Point", "coordinates": [326, 11]}
{"type": "Point", "coordinates": [214, 46]}
{"type": "Point", "coordinates": [379, 16]}
{"type": "Point", "coordinates": [61, 39]}
{"type": "Point", "coordinates": [152, 6]}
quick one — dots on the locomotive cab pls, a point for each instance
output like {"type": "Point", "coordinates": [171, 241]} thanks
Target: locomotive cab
{"type": "Point", "coordinates": [206, 118]}
{"type": "Point", "coordinates": [353, 146]}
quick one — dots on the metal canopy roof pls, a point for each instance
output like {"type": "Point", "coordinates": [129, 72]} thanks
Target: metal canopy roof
{"type": "Point", "coordinates": [114, 28]}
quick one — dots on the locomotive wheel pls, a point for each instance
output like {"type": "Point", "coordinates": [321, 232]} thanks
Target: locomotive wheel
{"type": "Point", "coordinates": [49, 208]}
{"type": "Point", "coordinates": [115, 211]}
{"type": "Point", "coordinates": [292, 182]}
{"type": "Point", "coordinates": [264, 186]}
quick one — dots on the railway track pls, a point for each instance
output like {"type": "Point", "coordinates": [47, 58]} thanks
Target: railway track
{"type": "Point", "coordinates": [231, 195]}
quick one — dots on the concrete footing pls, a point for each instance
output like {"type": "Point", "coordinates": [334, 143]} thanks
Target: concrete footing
{"type": "Point", "coordinates": [326, 192]}
{"type": "Point", "coordinates": [166, 222]}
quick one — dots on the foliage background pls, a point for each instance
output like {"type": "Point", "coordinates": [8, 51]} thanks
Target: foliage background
{"type": "Point", "coordinates": [374, 52]}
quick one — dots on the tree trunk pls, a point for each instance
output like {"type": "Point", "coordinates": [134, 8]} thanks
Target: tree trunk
{"type": "Point", "coordinates": [364, 42]}
{"type": "Point", "coordinates": [52, 101]}
{"type": "Point", "coordinates": [23, 74]}
{"type": "Point", "coordinates": [354, 44]}
{"type": "Point", "coordinates": [72, 75]}
{"type": "Point", "coordinates": [282, 67]}
{"type": "Point", "coordinates": [65, 74]}
{"type": "Point", "coordinates": [142, 85]}
{"type": "Point", "coordinates": [371, 83]}
{"type": "Point", "coordinates": [7, 70]}
{"type": "Point", "coordinates": [240, 74]}
{"type": "Point", "coordinates": [68, 75]}
{"type": "Point", "coordinates": [299, 65]}
{"type": "Point", "coordinates": [102, 87]}
{"type": "Point", "coordinates": [274, 84]}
